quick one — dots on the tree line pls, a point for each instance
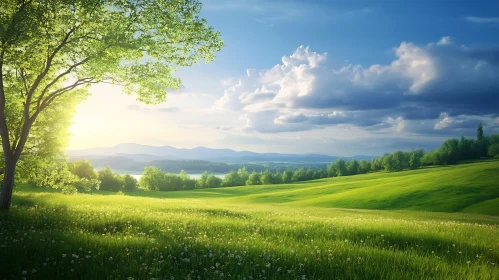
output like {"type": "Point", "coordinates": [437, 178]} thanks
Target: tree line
{"type": "Point", "coordinates": [153, 178]}
{"type": "Point", "coordinates": [450, 152]}
{"type": "Point", "coordinates": [195, 166]}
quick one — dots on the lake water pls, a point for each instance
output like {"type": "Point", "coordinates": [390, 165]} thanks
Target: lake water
{"type": "Point", "coordinates": [194, 175]}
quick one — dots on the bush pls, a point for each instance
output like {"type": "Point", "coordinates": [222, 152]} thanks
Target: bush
{"type": "Point", "coordinates": [254, 179]}
{"type": "Point", "coordinates": [109, 180]}
{"type": "Point", "coordinates": [82, 169]}
{"type": "Point", "coordinates": [187, 182]}
{"type": "Point", "coordinates": [213, 181]}
{"type": "Point", "coordinates": [85, 185]}
{"type": "Point", "coordinates": [151, 178]}
{"type": "Point", "coordinates": [234, 178]}
{"type": "Point", "coordinates": [129, 183]}
{"type": "Point", "coordinates": [171, 182]}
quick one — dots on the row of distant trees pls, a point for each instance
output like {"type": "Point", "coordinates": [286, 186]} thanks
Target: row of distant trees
{"type": "Point", "coordinates": [104, 179]}
{"type": "Point", "coordinates": [153, 178]}
{"type": "Point", "coordinates": [450, 152]}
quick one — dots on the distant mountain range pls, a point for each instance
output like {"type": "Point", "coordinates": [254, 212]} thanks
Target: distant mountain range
{"type": "Point", "coordinates": [134, 157]}
{"type": "Point", "coordinates": [146, 153]}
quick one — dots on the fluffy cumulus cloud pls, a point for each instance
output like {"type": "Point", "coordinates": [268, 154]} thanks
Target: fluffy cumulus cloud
{"type": "Point", "coordinates": [441, 87]}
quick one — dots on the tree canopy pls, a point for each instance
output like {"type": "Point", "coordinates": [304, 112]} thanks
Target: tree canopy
{"type": "Point", "coordinates": [55, 48]}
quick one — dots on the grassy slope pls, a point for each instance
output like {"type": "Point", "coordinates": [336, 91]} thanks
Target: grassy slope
{"type": "Point", "coordinates": [276, 232]}
{"type": "Point", "coordinates": [116, 237]}
{"type": "Point", "coordinates": [472, 187]}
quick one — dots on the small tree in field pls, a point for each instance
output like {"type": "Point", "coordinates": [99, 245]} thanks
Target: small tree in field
{"type": "Point", "coordinates": [50, 49]}
{"type": "Point", "coordinates": [129, 183]}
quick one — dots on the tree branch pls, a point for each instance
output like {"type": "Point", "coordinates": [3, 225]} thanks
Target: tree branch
{"type": "Point", "coordinates": [50, 98]}
{"type": "Point", "coordinates": [68, 71]}
{"type": "Point", "coordinates": [48, 64]}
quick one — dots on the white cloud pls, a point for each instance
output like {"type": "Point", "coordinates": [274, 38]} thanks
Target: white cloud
{"type": "Point", "coordinates": [303, 93]}
{"type": "Point", "coordinates": [482, 19]}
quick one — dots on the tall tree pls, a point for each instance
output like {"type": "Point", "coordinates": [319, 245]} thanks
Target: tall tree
{"type": "Point", "coordinates": [479, 132]}
{"type": "Point", "coordinates": [287, 176]}
{"type": "Point", "coordinates": [54, 48]}
{"type": "Point", "coordinates": [481, 141]}
{"type": "Point", "coordinates": [341, 168]}
{"type": "Point", "coordinates": [353, 167]}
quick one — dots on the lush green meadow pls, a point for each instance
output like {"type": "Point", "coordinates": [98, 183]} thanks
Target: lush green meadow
{"type": "Point", "coordinates": [294, 231]}
{"type": "Point", "coordinates": [468, 187]}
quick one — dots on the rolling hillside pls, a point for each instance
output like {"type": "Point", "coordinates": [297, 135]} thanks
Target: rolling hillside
{"type": "Point", "coordinates": [264, 232]}
{"type": "Point", "coordinates": [468, 187]}
{"type": "Point", "coordinates": [471, 187]}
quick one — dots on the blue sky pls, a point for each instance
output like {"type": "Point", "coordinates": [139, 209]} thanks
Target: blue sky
{"type": "Point", "coordinates": [363, 32]}
{"type": "Point", "coordinates": [376, 76]}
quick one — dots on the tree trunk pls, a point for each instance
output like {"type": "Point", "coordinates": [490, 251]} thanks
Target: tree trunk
{"type": "Point", "coordinates": [7, 187]}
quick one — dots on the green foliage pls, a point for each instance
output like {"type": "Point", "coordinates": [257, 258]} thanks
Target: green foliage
{"type": "Point", "coordinates": [267, 178]}
{"type": "Point", "coordinates": [401, 160]}
{"type": "Point", "coordinates": [52, 51]}
{"type": "Point", "coordinates": [48, 172]}
{"type": "Point", "coordinates": [287, 176]}
{"type": "Point", "coordinates": [187, 182]}
{"type": "Point", "coordinates": [254, 179]}
{"type": "Point", "coordinates": [319, 174]}
{"type": "Point", "coordinates": [389, 163]}
{"type": "Point", "coordinates": [376, 164]}
{"type": "Point", "coordinates": [341, 169]}
{"type": "Point", "coordinates": [243, 176]}
{"type": "Point", "coordinates": [151, 178]}
{"type": "Point", "coordinates": [415, 159]}
{"type": "Point", "coordinates": [171, 182]}
{"type": "Point", "coordinates": [82, 169]}
{"type": "Point", "coordinates": [234, 178]}
{"type": "Point", "coordinates": [481, 141]}
{"type": "Point", "coordinates": [213, 181]}
{"type": "Point", "coordinates": [479, 132]}
{"type": "Point", "coordinates": [353, 167]}
{"type": "Point", "coordinates": [299, 175]}
{"type": "Point", "coordinates": [332, 170]}
{"type": "Point", "coordinates": [92, 40]}
{"type": "Point", "coordinates": [155, 179]}
{"type": "Point", "coordinates": [453, 188]}
{"type": "Point", "coordinates": [49, 136]}
{"type": "Point", "coordinates": [467, 148]}
{"type": "Point", "coordinates": [494, 150]}
{"type": "Point", "coordinates": [86, 185]}
{"type": "Point", "coordinates": [129, 183]}
{"type": "Point", "coordinates": [364, 166]}
{"type": "Point", "coordinates": [450, 151]}
{"type": "Point", "coordinates": [277, 178]}
{"type": "Point", "coordinates": [201, 182]}
{"type": "Point", "coordinates": [109, 180]}
{"type": "Point", "coordinates": [231, 179]}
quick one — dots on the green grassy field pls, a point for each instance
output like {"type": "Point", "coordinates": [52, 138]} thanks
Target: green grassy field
{"type": "Point", "coordinates": [324, 229]}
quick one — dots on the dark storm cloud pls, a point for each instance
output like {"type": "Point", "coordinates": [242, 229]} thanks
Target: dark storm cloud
{"type": "Point", "coordinates": [423, 83]}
